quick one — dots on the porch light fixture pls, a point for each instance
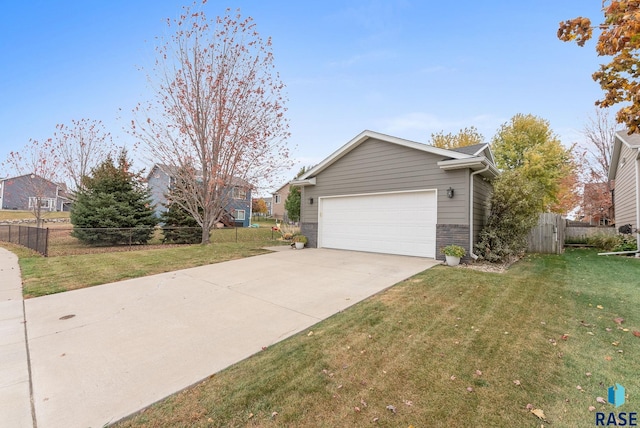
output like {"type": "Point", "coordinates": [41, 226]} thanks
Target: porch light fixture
{"type": "Point", "coordinates": [310, 201]}
{"type": "Point", "coordinates": [450, 192]}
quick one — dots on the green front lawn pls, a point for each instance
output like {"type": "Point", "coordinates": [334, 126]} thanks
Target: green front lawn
{"type": "Point", "coordinates": [448, 347]}
{"type": "Point", "coordinates": [73, 265]}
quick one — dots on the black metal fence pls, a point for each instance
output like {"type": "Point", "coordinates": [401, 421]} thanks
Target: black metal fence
{"type": "Point", "coordinates": [35, 238]}
{"type": "Point", "coordinates": [60, 241]}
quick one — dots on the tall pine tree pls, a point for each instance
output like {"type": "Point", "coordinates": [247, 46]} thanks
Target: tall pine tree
{"type": "Point", "coordinates": [113, 208]}
{"type": "Point", "coordinates": [179, 227]}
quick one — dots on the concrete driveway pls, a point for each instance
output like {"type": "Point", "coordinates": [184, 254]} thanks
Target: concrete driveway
{"type": "Point", "coordinates": [102, 353]}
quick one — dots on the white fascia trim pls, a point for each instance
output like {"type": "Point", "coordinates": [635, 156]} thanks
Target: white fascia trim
{"type": "Point", "coordinates": [365, 135]}
{"type": "Point", "coordinates": [475, 163]}
{"type": "Point", "coordinates": [618, 141]}
{"type": "Point", "coordinates": [306, 182]}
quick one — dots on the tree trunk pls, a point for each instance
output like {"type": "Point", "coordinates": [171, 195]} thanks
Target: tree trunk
{"type": "Point", "coordinates": [206, 236]}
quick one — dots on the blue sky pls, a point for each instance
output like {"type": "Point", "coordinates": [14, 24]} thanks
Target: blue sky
{"type": "Point", "coordinates": [408, 68]}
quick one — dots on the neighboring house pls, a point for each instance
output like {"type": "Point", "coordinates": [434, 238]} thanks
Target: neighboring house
{"type": "Point", "coordinates": [26, 191]}
{"type": "Point", "coordinates": [384, 194]}
{"type": "Point", "coordinates": [269, 203]}
{"type": "Point", "coordinates": [161, 178]}
{"type": "Point", "coordinates": [278, 210]}
{"type": "Point", "coordinates": [625, 170]}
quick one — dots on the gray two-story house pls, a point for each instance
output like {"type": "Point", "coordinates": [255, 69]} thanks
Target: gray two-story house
{"type": "Point", "coordinates": [238, 207]}
{"type": "Point", "coordinates": [26, 191]}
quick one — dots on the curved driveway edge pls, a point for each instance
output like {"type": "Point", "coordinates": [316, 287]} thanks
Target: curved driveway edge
{"type": "Point", "coordinates": [15, 398]}
{"type": "Point", "coordinates": [102, 353]}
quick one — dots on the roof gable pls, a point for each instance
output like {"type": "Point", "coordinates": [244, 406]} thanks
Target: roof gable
{"type": "Point", "coordinates": [172, 171]}
{"type": "Point", "coordinates": [622, 139]}
{"type": "Point", "coordinates": [365, 135]}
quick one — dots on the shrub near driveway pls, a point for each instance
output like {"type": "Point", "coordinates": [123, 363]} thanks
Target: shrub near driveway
{"type": "Point", "coordinates": [448, 347]}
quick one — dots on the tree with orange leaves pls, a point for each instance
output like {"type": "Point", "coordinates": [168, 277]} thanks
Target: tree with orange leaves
{"type": "Point", "coordinates": [620, 39]}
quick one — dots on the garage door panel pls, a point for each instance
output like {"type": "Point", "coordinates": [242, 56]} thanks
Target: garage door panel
{"type": "Point", "coordinates": [394, 223]}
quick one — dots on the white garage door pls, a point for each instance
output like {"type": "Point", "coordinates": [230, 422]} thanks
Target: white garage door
{"type": "Point", "coordinates": [394, 223]}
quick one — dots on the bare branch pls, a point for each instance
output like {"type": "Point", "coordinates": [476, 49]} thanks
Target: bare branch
{"type": "Point", "coordinates": [218, 119]}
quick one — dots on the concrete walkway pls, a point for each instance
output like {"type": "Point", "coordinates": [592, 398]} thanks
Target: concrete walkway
{"type": "Point", "coordinates": [102, 353]}
{"type": "Point", "coordinates": [15, 397]}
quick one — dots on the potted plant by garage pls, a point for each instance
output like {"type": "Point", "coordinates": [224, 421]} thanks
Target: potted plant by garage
{"type": "Point", "coordinates": [453, 253]}
{"type": "Point", "coordinates": [299, 241]}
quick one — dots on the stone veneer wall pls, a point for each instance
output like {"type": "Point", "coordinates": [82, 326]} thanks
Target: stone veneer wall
{"type": "Point", "coordinates": [310, 230]}
{"type": "Point", "coordinates": [447, 234]}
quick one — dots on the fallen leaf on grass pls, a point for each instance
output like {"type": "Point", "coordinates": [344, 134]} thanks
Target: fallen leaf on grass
{"type": "Point", "coordinates": [587, 374]}
{"type": "Point", "coordinates": [615, 343]}
{"type": "Point", "coordinates": [600, 307]}
{"type": "Point", "coordinates": [516, 382]}
{"type": "Point", "coordinates": [618, 320]}
{"type": "Point", "coordinates": [469, 389]}
{"type": "Point", "coordinates": [392, 408]}
{"type": "Point", "coordinates": [310, 334]}
{"type": "Point", "coordinates": [608, 358]}
{"type": "Point", "coordinates": [601, 400]}
{"type": "Point", "coordinates": [274, 414]}
{"type": "Point", "coordinates": [591, 408]}
{"type": "Point", "coordinates": [636, 333]}
{"type": "Point", "coordinates": [452, 377]}
{"type": "Point", "coordinates": [607, 329]}
{"type": "Point", "coordinates": [408, 402]}
{"type": "Point", "coordinates": [579, 388]}
{"type": "Point", "coordinates": [364, 403]}
{"type": "Point", "coordinates": [539, 413]}
{"type": "Point", "coordinates": [357, 409]}
{"type": "Point", "coordinates": [564, 336]}
{"type": "Point", "coordinates": [478, 373]}
{"type": "Point", "coordinates": [529, 406]}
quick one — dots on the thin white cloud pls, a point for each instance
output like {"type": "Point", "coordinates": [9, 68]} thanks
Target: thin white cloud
{"type": "Point", "coordinates": [436, 69]}
{"type": "Point", "coordinates": [420, 125]}
{"type": "Point", "coordinates": [357, 59]}
{"type": "Point", "coordinates": [416, 121]}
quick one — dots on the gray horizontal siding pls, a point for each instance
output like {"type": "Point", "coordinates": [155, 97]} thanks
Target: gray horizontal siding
{"type": "Point", "coordinates": [376, 166]}
{"type": "Point", "coordinates": [625, 190]}
{"type": "Point", "coordinates": [481, 194]}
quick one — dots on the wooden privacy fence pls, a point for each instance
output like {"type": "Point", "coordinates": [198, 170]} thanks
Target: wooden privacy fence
{"type": "Point", "coordinates": [548, 236]}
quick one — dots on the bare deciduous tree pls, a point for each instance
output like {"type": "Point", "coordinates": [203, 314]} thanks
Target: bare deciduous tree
{"type": "Point", "coordinates": [81, 146]}
{"type": "Point", "coordinates": [37, 165]}
{"type": "Point", "coordinates": [599, 133]}
{"type": "Point", "coordinates": [218, 118]}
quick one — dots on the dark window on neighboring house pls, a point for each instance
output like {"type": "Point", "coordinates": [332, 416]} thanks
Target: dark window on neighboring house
{"type": "Point", "coordinates": [276, 198]}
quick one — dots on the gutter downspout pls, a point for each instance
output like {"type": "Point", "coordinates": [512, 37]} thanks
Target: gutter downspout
{"type": "Point", "coordinates": [471, 253]}
{"type": "Point", "coordinates": [638, 203]}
